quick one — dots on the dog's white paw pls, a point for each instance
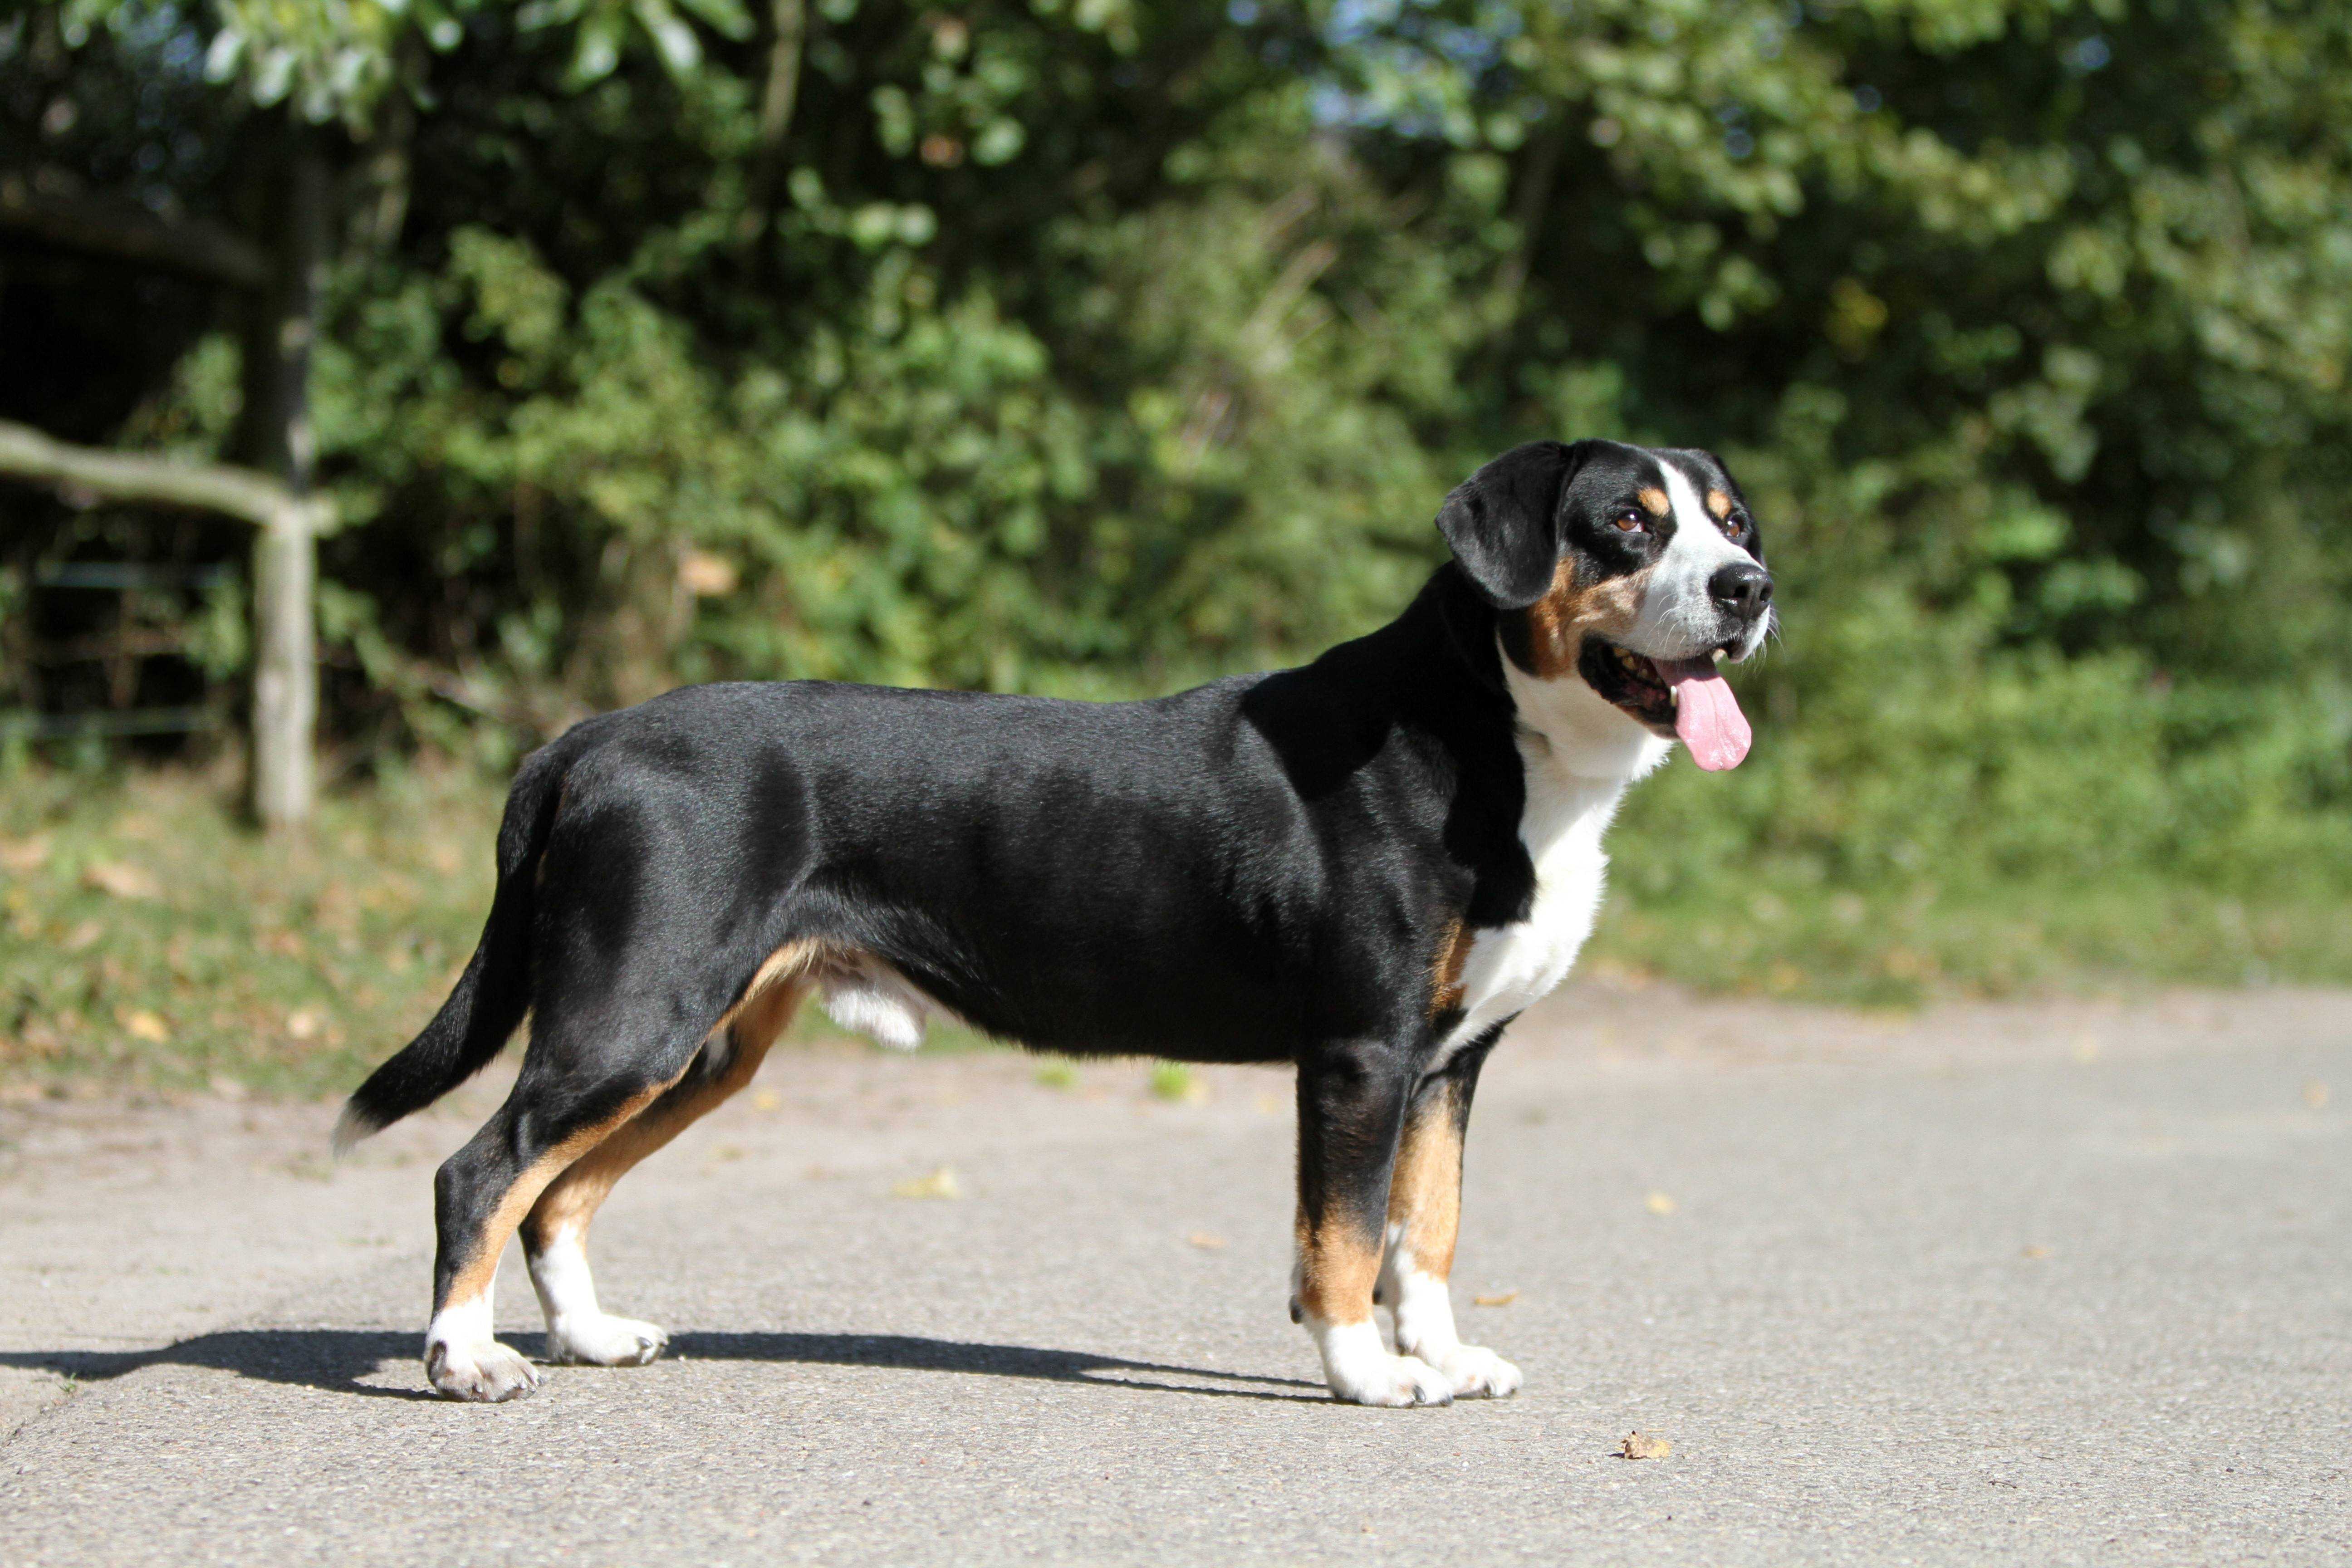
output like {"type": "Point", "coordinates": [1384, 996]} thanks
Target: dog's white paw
{"type": "Point", "coordinates": [602, 1339]}
{"type": "Point", "coordinates": [1477, 1372]}
{"type": "Point", "coordinates": [1392, 1381]}
{"type": "Point", "coordinates": [483, 1371]}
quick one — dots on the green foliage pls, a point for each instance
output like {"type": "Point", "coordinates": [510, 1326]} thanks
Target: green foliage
{"type": "Point", "coordinates": [1096, 348]}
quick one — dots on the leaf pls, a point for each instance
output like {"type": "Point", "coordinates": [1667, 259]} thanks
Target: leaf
{"type": "Point", "coordinates": [123, 881]}
{"type": "Point", "coordinates": [939, 1184]}
{"type": "Point", "coordinates": [597, 49]}
{"type": "Point", "coordinates": [142, 1025]}
{"type": "Point", "coordinates": [1208, 1241]}
{"type": "Point", "coordinates": [1499, 1299]}
{"type": "Point", "coordinates": [725, 17]}
{"type": "Point", "coordinates": [1660, 1204]}
{"type": "Point", "coordinates": [680, 49]}
{"type": "Point", "coordinates": [22, 855]}
{"type": "Point", "coordinates": [1642, 1445]}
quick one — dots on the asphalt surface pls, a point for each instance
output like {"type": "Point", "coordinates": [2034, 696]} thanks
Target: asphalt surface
{"type": "Point", "coordinates": [2061, 1283]}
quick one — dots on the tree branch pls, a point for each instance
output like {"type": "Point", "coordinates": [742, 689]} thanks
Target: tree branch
{"type": "Point", "coordinates": [121, 231]}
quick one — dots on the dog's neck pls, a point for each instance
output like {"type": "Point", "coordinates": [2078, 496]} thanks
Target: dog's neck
{"type": "Point", "coordinates": [1568, 726]}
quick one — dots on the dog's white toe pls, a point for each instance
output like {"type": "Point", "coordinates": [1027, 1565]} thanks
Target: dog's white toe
{"type": "Point", "coordinates": [483, 1372]}
{"type": "Point", "coordinates": [1475, 1372]}
{"type": "Point", "coordinates": [1395, 1382]}
{"type": "Point", "coordinates": [603, 1339]}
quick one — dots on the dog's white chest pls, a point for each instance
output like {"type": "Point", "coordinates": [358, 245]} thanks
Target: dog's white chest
{"type": "Point", "coordinates": [1512, 967]}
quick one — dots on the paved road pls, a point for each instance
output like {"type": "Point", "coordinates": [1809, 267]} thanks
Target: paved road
{"type": "Point", "coordinates": [2056, 1284]}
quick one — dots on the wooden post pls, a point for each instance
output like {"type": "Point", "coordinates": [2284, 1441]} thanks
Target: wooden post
{"type": "Point", "coordinates": [285, 668]}
{"type": "Point", "coordinates": [284, 568]}
{"type": "Point", "coordinates": [273, 436]}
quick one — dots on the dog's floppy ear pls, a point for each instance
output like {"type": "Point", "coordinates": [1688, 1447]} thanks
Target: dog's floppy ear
{"type": "Point", "coordinates": [1503, 521]}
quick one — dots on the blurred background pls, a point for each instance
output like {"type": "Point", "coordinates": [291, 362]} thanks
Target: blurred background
{"type": "Point", "coordinates": [1096, 347]}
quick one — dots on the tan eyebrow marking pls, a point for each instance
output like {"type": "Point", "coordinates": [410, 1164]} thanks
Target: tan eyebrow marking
{"type": "Point", "coordinates": [1719, 504]}
{"type": "Point", "coordinates": [1654, 500]}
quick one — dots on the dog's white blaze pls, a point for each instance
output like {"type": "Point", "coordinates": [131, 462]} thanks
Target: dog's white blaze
{"type": "Point", "coordinates": [1678, 618]}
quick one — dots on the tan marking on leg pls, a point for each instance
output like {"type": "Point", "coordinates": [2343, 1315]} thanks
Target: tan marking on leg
{"type": "Point", "coordinates": [1654, 500]}
{"type": "Point", "coordinates": [571, 1200]}
{"type": "Point", "coordinates": [1445, 970]}
{"type": "Point", "coordinates": [1718, 505]}
{"type": "Point", "coordinates": [474, 1279]}
{"type": "Point", "coordinates": [766, 1006]}
{"type": "Point", "coordinates": [1425, 1193]}
{"type": "Point", "coordinates": [1559, 622]}
{"type": "Point", "coordinates": [1337, 1267]}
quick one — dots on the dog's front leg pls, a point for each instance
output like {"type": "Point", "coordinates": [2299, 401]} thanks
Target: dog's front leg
{"type": "Point", "coordinates": [1351, 1106]}
{"type": "Point", "coordinates": [1424, 1212]}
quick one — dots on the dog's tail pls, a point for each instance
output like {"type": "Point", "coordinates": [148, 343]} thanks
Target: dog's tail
{"type": "Point", "coordinates": [490, 998]}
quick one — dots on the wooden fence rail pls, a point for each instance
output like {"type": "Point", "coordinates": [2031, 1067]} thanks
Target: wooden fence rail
{"type": "Point", "coordinates": [285, 567]}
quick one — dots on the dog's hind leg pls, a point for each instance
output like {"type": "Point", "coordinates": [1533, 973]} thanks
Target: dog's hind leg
{"type": "Point", "coordinates": [481, 1193]}
{"type": "Point", "coordinates": [555, 1232]}
{"type": "Point", "coordinates": [1425, 1213]}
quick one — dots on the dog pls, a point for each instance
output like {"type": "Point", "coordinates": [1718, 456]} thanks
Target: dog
{"type": "Point", "coordinates": [1365, 866]}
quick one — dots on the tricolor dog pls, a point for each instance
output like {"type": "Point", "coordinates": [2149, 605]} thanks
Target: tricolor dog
{"type": "Point", "coordinates": [1366, 867]}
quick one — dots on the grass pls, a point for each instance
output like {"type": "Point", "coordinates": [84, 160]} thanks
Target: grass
{"type": "Point", "coordinates": [149, 940]}
{"type": "Point", "coordinates": [1903, 947]}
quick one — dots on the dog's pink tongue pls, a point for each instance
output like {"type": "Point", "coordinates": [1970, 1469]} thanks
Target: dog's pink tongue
{"type": "Point", "coordinates": [1706, 715]}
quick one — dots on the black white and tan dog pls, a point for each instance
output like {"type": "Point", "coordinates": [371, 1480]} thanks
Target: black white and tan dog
{"type": "Point", "coordinates": [1366, 866]}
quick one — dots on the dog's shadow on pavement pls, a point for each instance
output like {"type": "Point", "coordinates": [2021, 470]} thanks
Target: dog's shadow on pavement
{"type": "Point", "coordinates": [348, 1361]}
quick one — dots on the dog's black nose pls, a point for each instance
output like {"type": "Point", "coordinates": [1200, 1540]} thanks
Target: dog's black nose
{"type": "Point", "coordinates": [1742, 588]}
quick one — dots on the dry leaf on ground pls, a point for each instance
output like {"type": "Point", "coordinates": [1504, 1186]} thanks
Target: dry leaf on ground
{"type": "Point", "coordinates": [939, 1184]}
{"type": "Point", "coordinates": [1209, 1240]}
{"type": "Point", "coordinates": [1642, 1445]}
{"type": "Point", "coordinates": [23, 855]}
{"type": "Point", "coordinates": [1659, 1202]}
{"type": "Point", "coordinates": [142, 1025]}
{"type": "Point", "coordinates": [123, 881]}
{"type": "Point", "coordinates": [1499, 1299]}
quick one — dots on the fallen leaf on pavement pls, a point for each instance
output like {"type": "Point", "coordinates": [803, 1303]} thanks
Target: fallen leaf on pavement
{"type": "Point", "coordinates": [2037, 1253]}
{"type": "Point", "coordinates": [142, 1025]}
{"type": "Point", "coordinates": [1659, 1202]}
{"type": "Point", "coordinates": [1207, 1239]}
{"type": "Point", "coordinates": [767, 1100]}
{"type": "Point", "coordinates": [1642, 1445]}
{"type": "Point", "coordinates": [939, 1184]}
{"type": "Point", "coordinates": [1499, 1299]}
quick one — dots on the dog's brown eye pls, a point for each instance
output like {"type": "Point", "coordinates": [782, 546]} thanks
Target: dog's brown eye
{"type": "Point", "coordinates": [1732, 525]}
{"type": "Point", "coordinates": [1631, 521]}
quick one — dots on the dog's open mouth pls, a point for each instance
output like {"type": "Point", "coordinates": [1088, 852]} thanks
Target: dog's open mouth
{"type": "Point", "coordinates": [1684, 697]}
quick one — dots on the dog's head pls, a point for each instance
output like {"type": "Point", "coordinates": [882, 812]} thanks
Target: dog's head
{"type": "Point", "coordinates": [1630, 569]}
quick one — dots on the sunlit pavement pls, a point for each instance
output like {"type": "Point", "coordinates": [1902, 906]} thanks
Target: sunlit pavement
{"type": "Point", "coordinates": [2052, 1284]}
